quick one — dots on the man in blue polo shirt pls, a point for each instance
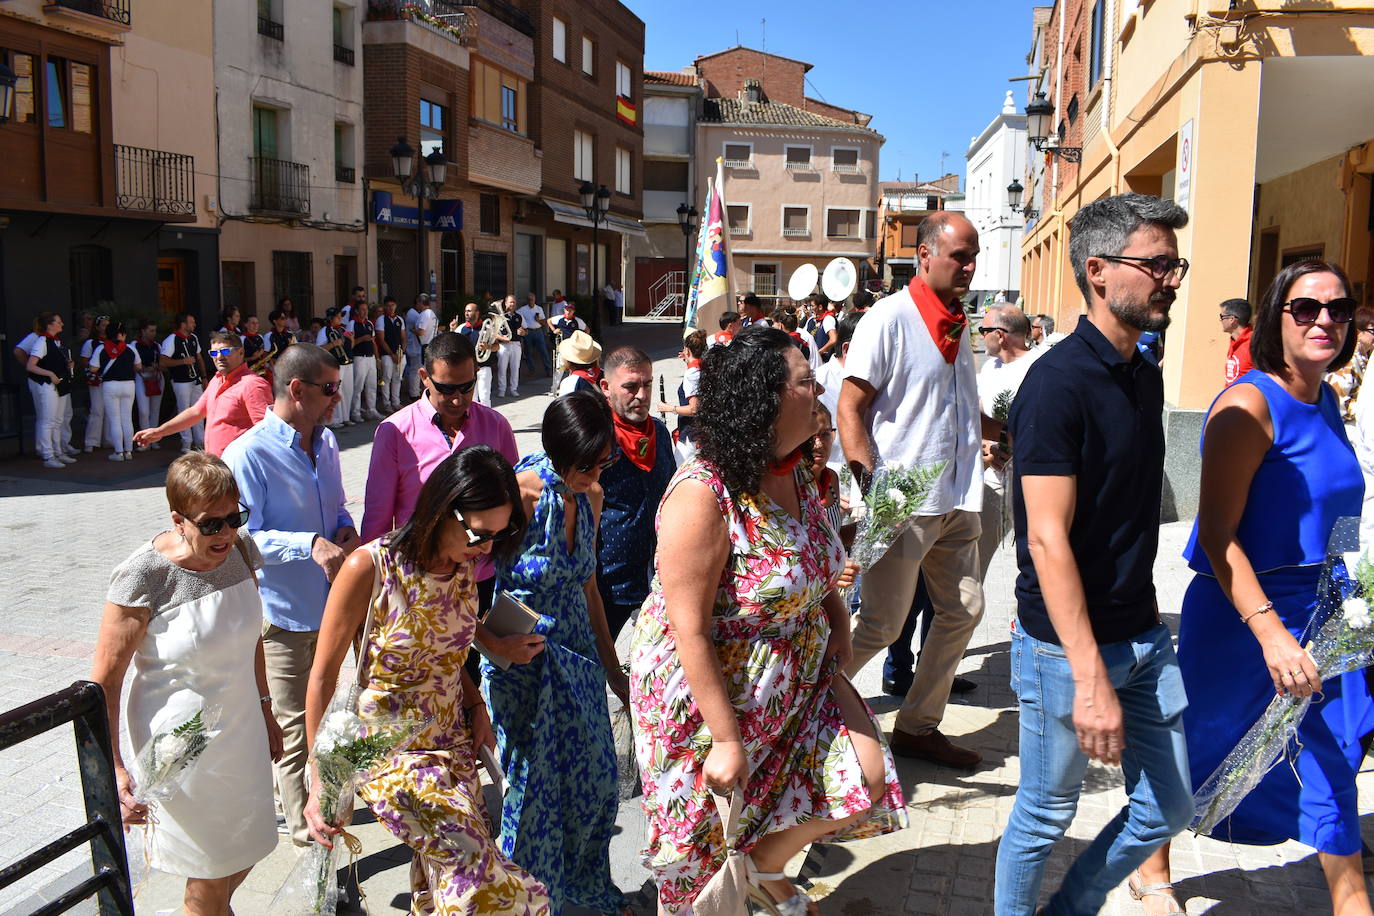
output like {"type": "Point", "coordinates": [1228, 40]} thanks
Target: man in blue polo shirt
{"type": "Point", "coordinates": [1092, 665]}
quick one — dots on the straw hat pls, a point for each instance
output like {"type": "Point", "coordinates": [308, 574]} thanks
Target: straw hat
{"type": "Point", "coordinates": [580, 349]}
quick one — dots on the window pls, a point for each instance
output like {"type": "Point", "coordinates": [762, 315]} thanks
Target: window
{"type": "Point", "coordinates": [489, 221]}
{"type": "Point", "coordinates": [870, 224]}
{"type": "Point", "coordinates": [1095, 46]}
{"type": "Point", "coordinates": [560, 40]}
{"type": "Point", "coordinates": [798, 158]}
{"type": "Point", "coordinates": [433, 118]}
{"type": "Point", "coordinates": [343, 153]}
{"type": "Point", "coordinates": [796, 222]}
{"type": "Point", "coordinates": [588, 56]}
{"type": "Point", "coordinates": [69, 87]}
{"type": "Point", "coordinates": [622, 171]}
{"type": "Point", "coordinates": [739, 155]}
{"type": "Point", "coordinates": [90, 276]}
{"type": "Point", "coordinates": [738, 216]}
{"type": "Point", "coordinates": [765, 279]}
{"type": "Point", "coordinates": [291, 279]}
{"type": "Point", "coordinates": [343, 36]}
{"type": "Point", "coordinates": [909, 232]}
{"type": "Point", "coordinates": [489, 272]}
{"type": "Point", "coordinates": [842, 224]}
{"type": "Point", "coordinates": [622, 81]}
{"type": "Point", "coordinates": [844, 159]}
{"type": "Point", "coordinates": [269, 19]}
{"type": "Point", "coordinates": [265, 133]}
{"type": "Point", "coordinates": [498, 97]}
{"type": "Point", "coordinates": [665, 176]}
{"type": "Point", "coordinates": [510, 116]}
{"type": "Point", "coordinates": [583, 166]}
{"type": "Point", "coordinates": [22, 65]}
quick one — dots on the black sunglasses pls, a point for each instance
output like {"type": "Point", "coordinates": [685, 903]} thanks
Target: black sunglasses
{"type": "Point", "coordinates": [449, 391]}
{"type": "Point", "coordinates": [477, 539]}
{"type": "Point", "coordinates": [213, 526]}
{"type": "Point", "coordinates": [1306, 310]}
{"type": "Point", "coordinates": [605, 462]}
{"type": "Point", "coordinates": [329, 388]}
{"type": "Point", "coordinates": [985, 329]}
{"type": "Point", "coordinates": [1160, 265]}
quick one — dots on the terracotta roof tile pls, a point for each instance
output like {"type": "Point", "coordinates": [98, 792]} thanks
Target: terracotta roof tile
{"type": "Point", "coordinates": [734, 111]}
{"type": "Point", "coordinates": [670, 77]}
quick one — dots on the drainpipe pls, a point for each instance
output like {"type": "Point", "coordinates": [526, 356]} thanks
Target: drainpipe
{"type": "Point", "coordinates": [1054, 160]}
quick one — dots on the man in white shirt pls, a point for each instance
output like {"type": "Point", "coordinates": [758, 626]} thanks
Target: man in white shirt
{"type": "Point", "coordinates": [181, 357]}
{"type": "Point", "coordinates": [1043, 333]}
{"type": "Point", "coordinates": [830, 376]}
{"type": "Point", "coordinates": [910, 400]}
{"type": "Point", "coordinates": [421, 326]}
{"type": "Point", "coordinates": [533, 324]}
{"type": "Point", "coordinates": [1006, 340]}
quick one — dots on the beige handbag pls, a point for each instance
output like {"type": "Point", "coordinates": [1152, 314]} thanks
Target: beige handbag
{"type": "Point", "coordinates": [727, 893]}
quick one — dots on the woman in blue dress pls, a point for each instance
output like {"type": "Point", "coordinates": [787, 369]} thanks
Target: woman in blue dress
{"type": "Point", "coordinates": [553, 727]}
{"type": "Point", "coordinates": [1277, 471]}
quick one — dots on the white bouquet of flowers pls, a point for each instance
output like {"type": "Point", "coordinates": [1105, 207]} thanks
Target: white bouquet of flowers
{"type": "Point", "coordinates": [889, 507]}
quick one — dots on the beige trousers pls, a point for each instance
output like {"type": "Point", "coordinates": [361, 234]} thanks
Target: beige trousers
{"type": "Point", "coordinates": [289, 656]}
{"type": "Point", "coordinates": [945, 548]}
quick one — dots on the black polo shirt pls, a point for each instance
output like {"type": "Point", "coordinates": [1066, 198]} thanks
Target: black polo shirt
{"type": "Point", "coordinates": [1085, 412]}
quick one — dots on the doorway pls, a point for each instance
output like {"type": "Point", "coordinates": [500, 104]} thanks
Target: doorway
{"type": "Point", "coordinates": [171, 285]}
{"type": "Point", "coordinates": [345, 277]}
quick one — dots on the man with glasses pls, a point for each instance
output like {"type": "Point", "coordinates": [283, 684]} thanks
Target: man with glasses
{"type": "Point", "coordinates": [235, 400]}
{"type": "Point", "coordinates": [1043, 333]}
{"type": "Point", "coordinates": [910, 400]}
{"type": "Point", "coordinates": [633, 486]}
{"type": "Point", "coordinates": [287, 469]}
{"type": "Point", "coordinates": [1235, 321]}
{"type": "Point", "coordinates": [410, 444]}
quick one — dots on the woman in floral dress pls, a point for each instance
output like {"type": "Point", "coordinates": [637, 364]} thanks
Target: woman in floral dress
{"type": "Point", "coordinates": [552, 721]}
{"type": "Point", "coordinates": [418, 585]}
{"type": "Point", "coordinates": [735, 667]}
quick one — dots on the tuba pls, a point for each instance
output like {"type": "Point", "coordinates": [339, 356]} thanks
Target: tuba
{"type": "Point", "coordinates": [488, 338]}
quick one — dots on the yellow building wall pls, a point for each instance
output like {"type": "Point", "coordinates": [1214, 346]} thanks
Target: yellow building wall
{"type": "Point", "coordinates": [1308, 209]}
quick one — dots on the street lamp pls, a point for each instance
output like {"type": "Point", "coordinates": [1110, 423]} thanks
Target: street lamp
{"type": "Point", "coordinates": [8, 79]}
{"type": "Point", "coordinates": [422, 187]}
{"type": "Point", "coordinates": [1038, 128]}
{"type": "Point", "coordinates": [687, 218]}
{"type": "Point", "coordinates": [1014, 192]}
{"type": "Point", "coordinates": [595, 201]}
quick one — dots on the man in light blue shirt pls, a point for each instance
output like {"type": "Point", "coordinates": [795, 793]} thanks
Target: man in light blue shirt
{"type": "Point", "coordinates": [287, 469]}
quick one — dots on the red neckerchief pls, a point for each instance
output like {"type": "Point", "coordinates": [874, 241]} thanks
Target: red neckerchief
{"type": "Point", "coordinates": [795, 336]}
{"type": "Point", "coordinates": [113, 350]}
{"type": "Point", "coordinates": [592, 375]}
{"type": "Point", "coordinates": [828, 313]}
{"type": "Point", "coordinates": [724, 337]}
{"type": "Point", "coordinates": [53, 338]}
{"type": "Point", "coordinates": [181, 335]}
{"type": "Point", "coordinates": [637, 443]}
{"type": "Point", "coordinates": [693, 364]}
{"type": "Point", "coordinates": [469, 324]}
{"type": "Point", "coordinates": [781, 467]}
{"type": "Point", "coordinates": [945, 329]}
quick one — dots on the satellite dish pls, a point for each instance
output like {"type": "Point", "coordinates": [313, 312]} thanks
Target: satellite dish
{"type": "Point", "coordinates": [839, 280]}
{"type": "Point", "coordinates": [803, 282]}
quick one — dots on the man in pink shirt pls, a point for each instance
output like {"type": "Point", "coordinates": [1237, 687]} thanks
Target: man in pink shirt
{"type": "Point", "coordinates": [410, 444]}
{"type": "Point", "coordinates": [233, 402]}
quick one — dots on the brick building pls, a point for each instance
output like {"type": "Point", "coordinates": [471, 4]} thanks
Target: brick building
{"type": "Point", "coordinates": [902, 207]}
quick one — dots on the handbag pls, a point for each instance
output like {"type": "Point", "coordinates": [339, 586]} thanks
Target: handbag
{"type": "Point", "coordinates": [727, 893]}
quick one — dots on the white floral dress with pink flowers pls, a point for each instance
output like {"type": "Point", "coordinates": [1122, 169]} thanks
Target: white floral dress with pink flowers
{"type": "Point", "coordinates": [770, 633]}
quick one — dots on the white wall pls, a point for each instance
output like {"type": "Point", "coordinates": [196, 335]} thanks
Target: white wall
{"type": "Point", "coordinates": [994, 159]}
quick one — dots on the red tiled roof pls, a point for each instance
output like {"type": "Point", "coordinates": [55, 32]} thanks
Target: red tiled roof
{"type": "Point", "coordinates": [670, 77]}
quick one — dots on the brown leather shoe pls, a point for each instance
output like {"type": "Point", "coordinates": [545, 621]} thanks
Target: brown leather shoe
{"type": "Point", "coordinates": [935, 747]}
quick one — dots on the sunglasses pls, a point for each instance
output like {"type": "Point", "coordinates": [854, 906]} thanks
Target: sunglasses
{"type": "Point", "coordinates": [1160, 266]}
{"type": "Point", "coordinates": [222, 351]}
{"type": "Point", "coordinates": [601, 465]}
{"type": "Point", "coordinates": [477, 539]}
{"type": "Point", "coordinates": [449, 391]}
{"type": "Point", "coordinates": [984, 329]}
{"type": "Point", "coordinates": [213, 526]}
{"type": "Point", "coordinates": [328, 388]}
{"type": "Point", "coordinates": [1306, 310]}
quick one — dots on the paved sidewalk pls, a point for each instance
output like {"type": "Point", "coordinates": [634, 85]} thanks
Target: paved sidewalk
{"type": "Point", "coordinates": [942, 864]}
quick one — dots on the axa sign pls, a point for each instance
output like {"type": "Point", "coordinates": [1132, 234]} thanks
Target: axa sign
{"type": "Point", "coordinates": [442, 215]}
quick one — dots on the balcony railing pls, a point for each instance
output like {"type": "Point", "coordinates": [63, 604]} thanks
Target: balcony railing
{"type": "Point", "coordinates": [447, 16]}
{"type": "Point", "coordinates": [345, 174]}
{"type": "Point", "coordinates": [791, 232]}
{"type": "Point", "coordinates": [343, 55]}
{"type": "Point", "coordinates": [508, 13]}
{"type": "Point", "coordinates": [279, 186]}
{"type": "Point", "coordinates": [155, 181]}
{"type": "Point", "coordinates": [794, 166]}
{"type": "Point", "coordinates": [113, 10]}
{"type": "Point", "coordinates": [739, 163]}
{"type": "Point", "coordinates": [740, 230]}
{"type": "Point", "coordinates": [270, 28]}
{"type": "Point", "coordinates": [850, 168]}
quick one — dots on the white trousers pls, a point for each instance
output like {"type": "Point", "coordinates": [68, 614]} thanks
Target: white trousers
{"type": "Point", "coordinates": [392, 372]}
{"type": "Point", "coordinates": [95, 417]}
{"type": "Point", "coordinates": [148, 405]}
{"type": "Point", "coordinates": [508, 369]}
{"type": "Point", "coordinates": [343, 413]}
{"type": "Point", "coordinates": [364, 387]}
{"type": "Point", "coordinates": [119, 414]}
{"type": "Point", "coordinates": [187, 393]}
{"type": "Point", "coordinates": [67, 423]}
{"type": "Point", "coordinates": [483, 394]}
{"type": "Point", "coordinates": [47, 419]}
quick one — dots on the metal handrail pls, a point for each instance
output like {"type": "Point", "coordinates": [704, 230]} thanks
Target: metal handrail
{"type": "Point", "coordinates": [154, 181]}
{"type": "Point", "coordinates": [83, 705]}
{"type": "Point", "coordinates": [113, 10]}
{"type": "Point", "coordinates": [279, 186]}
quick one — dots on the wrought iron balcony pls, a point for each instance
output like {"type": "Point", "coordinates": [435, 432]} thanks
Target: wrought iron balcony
{"type": "Point", "coordinates": [270, 28]}
{"type": "Point", "coordinates": [345, 174]}
{"type": "Point", "coordinates": [279, 187]}
{"type": "Point", "coordinates": [155, 181]}
{"type": "Point", "coordinates": [343, 55]}
{"type": "Point", "coordinates": [113, 10]}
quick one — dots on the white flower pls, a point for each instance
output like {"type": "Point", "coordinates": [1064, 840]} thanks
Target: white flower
{"type": "Point", "coordinates": [897, 496]}
{"type": "Point", "coordinates": [1356, 611]}
{"type": "Point", "coordinates": [170, 748]}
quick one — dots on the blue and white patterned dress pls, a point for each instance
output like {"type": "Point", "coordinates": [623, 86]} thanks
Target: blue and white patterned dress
{"type": "Point", "coordinates": [553, 727]}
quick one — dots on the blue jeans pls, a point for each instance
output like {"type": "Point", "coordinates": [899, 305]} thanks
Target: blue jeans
{"type": "Point", "coordinates": [1154, 760]}
{"type": "Point", "coordinates": [536, 344]}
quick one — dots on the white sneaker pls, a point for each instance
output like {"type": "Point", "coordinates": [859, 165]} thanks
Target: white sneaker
{"type": "Point", "coordinates": [515, 394]}
{"type": "Point", "coordinates": [89, 449]}
{"type": "Point", "coordinates": [53, 463]}
{"type": "Point", "coordinates": [116, 456]}
{"type": "Point", "coordinates": [66, 459]}
{"type": "Point", "coordinates": [72, 452]}
{"type": "Point", "coordinates": [128, 456]}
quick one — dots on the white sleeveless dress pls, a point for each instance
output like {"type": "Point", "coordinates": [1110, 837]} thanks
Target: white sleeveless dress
{"type": "Point", "coordinates": [199, 651]}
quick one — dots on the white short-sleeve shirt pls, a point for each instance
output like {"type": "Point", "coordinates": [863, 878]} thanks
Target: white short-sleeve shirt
{"type": "Point", "coordinates": [530, 316]}
{"type": "Point", "coordinates": [925, 410]}
{"type": "Point", "coordinates": [27, 343]}
{"type": "Point", "coordinates": [995, 377]}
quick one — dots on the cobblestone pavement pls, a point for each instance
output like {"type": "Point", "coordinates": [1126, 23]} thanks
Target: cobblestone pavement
{"type": "Point", "coordinates": [95, 514]}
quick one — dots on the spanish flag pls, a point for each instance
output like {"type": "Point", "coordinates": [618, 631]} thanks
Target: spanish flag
{"type": "Point", "coordinates": [625, 110]}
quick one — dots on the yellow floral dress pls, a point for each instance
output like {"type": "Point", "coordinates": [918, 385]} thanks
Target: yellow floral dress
{"type": "Point", "coordinates": [430, 797]}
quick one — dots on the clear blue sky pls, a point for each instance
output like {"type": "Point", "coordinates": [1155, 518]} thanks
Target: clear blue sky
{"type": "Point", "coordinates": [932, 73]}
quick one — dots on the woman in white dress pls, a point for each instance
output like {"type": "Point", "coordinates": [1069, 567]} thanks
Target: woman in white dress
{"type": "Point", "coordinates": [184, 609]}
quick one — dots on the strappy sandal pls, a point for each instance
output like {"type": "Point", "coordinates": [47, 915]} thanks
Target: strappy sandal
{"type": "Point", "coordinates": [797, 905]}
{"type": "Point", "coordinates": [1139, 891]}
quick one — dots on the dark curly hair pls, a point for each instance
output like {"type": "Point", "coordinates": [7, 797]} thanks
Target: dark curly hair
{"type": "Point", "coordinates": [739, 401]}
